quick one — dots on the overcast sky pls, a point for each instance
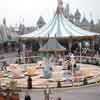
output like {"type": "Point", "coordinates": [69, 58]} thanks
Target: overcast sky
{"type": "Point", "coordinates": [16, 10]}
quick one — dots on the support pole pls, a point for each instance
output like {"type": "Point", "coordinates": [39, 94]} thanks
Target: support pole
{"type": "Point", "coordinates": [93, 45]}
{"type": "Point", "coordinates": [70, 44]}
{"type": "Point", "coordinates": [80, 52]}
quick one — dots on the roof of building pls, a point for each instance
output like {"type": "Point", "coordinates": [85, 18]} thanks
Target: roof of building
{"type": "Point", "coordinates": [52, 45]}
{"type": "Point", "coordinates": [6, 35]}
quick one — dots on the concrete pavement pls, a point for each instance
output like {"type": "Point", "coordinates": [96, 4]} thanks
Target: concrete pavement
{"type": "Point", "coordinates": [9, 57]}
{"type": "Point", "coordinates": [90, 93]}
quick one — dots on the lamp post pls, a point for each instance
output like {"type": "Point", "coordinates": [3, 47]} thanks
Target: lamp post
{"type": "Point", "coordinates": [72, 63]}
{"type": "Point", "coordinates": [0, 84]}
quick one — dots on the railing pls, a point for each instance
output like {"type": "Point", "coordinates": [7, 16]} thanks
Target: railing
{"type": "Point", "coordinates": [84, 59]}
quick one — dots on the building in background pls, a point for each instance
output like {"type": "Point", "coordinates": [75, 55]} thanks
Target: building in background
{"type": "Point", "coordinates": [77, 19]}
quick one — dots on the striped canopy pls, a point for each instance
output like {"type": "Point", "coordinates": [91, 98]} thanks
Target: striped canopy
{"type": "Point", "coordinates": [60, 27]}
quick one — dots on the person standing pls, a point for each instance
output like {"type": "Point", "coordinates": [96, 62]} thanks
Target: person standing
{"type": "Point", "coordinates": [4, 66]}
{"type": "Point", "coordinates": [19, 51]}
{"type": "Point", "coordinates": [59, 98]}
{"type": "Point", "coordinates": [29, 82]}
{"type": "Point", "coordinates": [46, 94]}
{"type": "Point", "coordinates": [27, 97]}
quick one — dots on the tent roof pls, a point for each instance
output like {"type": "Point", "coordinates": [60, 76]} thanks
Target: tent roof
{"type": "Point", "coordinates": [60, 27]}
{"type": "Point", "coordinates": [52, 45]}
{"type": "Point", "coordinates": [8, 39]}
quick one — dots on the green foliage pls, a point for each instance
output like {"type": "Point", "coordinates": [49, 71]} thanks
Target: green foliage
{"type": "Point", "coordinates": [13, 85]}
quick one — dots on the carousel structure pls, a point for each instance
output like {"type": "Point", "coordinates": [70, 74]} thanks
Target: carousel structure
{"type": "Point", "coordinates": [62, 30]}
{"type": "Point", "coordinates": [57, 70]}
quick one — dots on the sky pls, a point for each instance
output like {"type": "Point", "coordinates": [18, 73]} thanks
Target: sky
{"type": "Point", "coordinates": [28, 11]}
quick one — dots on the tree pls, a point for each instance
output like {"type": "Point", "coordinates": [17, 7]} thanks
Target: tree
{"type": "Point", "coordinates": [40, 22]}
{"type": "Point", "coordinates": [77, 17]}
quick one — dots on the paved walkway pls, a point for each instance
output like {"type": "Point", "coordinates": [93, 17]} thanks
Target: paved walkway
{"type": "Point", "coordinates": [90, 93]}
{"type": "Point", "coordinates": [9, 57]}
